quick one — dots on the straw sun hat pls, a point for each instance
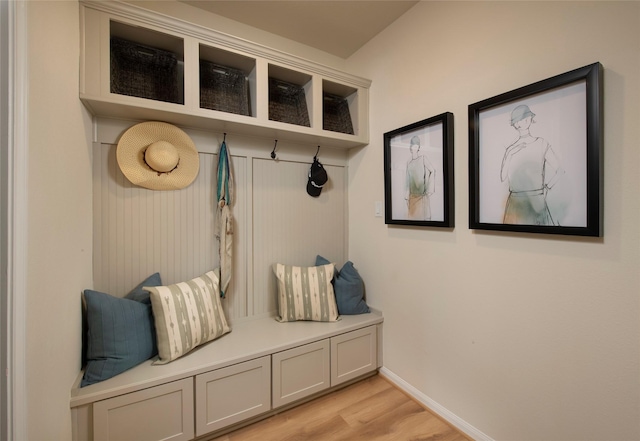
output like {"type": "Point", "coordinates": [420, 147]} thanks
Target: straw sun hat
{"type": "Point", "coordinates": [158, 156]}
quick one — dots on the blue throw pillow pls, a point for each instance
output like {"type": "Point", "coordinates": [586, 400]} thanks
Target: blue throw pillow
{"type": "Point", "coordinates": [120, 332]}
{"type": "Point", "coordinates": [140, 295]}
{"type": "Point", "coordinates": [349, 289]}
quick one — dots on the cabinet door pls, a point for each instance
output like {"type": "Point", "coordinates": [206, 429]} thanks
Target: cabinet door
{"type": "Point", "coordinates": [232, 394]}
{"type": "Point", "coordinates": [159, 413]}
{"type": "Point", "coordinates": [300, 372]}
{"type": "Point", "coordinates": [353, 354]}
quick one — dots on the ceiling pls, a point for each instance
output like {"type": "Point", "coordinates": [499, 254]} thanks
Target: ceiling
{"type": "Point", "coordinates": [338, 27]}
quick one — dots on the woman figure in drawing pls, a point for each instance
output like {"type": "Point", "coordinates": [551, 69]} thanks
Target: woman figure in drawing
{"type": "Point", "coordinates": [532, 169]}
{"type": "Point", "coordinates": [420, 183]}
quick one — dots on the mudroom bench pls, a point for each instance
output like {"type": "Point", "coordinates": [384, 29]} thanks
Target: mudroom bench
{"type": "Point", "coordinates": [259, 368]}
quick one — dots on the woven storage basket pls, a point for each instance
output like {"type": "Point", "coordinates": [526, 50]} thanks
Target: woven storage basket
{"type": "Point", "coordinates": [287, 103]}
{"type": "Point", "coordinates": [223, 88]}
{"type": "Point", "coordinates": [335, 114]}
{"type": "Point", "coordinates": [143, 71]}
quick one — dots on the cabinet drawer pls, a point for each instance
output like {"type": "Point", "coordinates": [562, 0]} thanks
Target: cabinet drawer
{"type": "Point", "coordinates": [232, 394]}
{"type": "Point", "coordinates": [353, 354]}
{"type": "Point", "coordinates": [159, 413]}
{"type": "Point", "coordinates": [300, 372]}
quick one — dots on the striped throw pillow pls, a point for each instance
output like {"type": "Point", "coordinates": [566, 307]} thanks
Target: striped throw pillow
{"type": "Point", "coordinates": [306, 293]}
{"type": "Point", "coordinates": [186, 315]}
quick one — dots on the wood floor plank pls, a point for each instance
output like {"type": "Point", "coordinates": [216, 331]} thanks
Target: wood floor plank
{"type": "Point", "coordinates": [376, 407]}
{"type": "Point", "coordinates": [370, 410]}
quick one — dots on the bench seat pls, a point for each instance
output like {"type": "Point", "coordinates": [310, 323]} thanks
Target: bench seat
{"type": "Point", "coordinates": [249, 339]}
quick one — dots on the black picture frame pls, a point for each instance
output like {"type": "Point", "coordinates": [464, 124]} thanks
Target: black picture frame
{"type": "Point", "coordinates": [546, 178]}
{"type": "Point", "coordinates": [411, 197]}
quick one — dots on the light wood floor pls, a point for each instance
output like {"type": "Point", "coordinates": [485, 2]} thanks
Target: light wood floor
{"type": "Point", "coordinates": [372, 409]}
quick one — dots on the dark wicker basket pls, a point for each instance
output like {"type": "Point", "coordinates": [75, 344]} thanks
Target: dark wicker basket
{"type": "Point", "coordinates": [144, 71]}
{"type": "Point", "coordinates": [223, 88]}
{"type": "Point", "coordinates": [287, 103]}
{"type": "Point", "coordinates": [335, 114]}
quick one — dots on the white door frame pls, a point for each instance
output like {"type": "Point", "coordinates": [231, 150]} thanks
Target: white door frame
{"type": "Point", "coordinates": [14, 137]}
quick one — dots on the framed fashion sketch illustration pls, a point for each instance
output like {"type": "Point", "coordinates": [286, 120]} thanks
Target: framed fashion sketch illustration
{"type": "Point", "coordinates": [418, 173]}
{"type": "Point", "coordinates": [535, 157]}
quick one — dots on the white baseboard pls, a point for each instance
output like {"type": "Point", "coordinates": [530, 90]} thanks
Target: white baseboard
{"type": "Point", "coordinates": [436, 408]}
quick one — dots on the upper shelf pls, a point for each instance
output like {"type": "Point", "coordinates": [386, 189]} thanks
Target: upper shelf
{"type": "Point", "coordinates": [142, 65]}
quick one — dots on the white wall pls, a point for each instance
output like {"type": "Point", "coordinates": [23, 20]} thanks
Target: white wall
{"type": "Point", "coordinates": [522, 336]}
{"type": "Point", "coordinates": [59, 217]}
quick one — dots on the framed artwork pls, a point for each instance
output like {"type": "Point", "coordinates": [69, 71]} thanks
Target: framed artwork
{"type": "Point", "coordinates": [535, 157]}
{"type": "Point", "coordinates": [418, 173]}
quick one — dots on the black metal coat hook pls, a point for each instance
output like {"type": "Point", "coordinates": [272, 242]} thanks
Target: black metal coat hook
{"type": "Point", "coordinates": [273, 152]}
{"type": "Point", "coordinates": [224, 138]}
{"type": "Point", "coordinates": [316, 156]}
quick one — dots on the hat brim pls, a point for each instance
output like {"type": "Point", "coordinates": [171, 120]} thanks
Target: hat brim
{"type": "Point", "coordinates": [312, 190]}
{"type": "Point", "coordinates": [130, 156]}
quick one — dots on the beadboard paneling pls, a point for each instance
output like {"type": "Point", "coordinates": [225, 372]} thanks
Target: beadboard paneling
{"type": "Point", "coordinates": [139, 231]}
{"type": "Point", "coordinates": [292, 227]}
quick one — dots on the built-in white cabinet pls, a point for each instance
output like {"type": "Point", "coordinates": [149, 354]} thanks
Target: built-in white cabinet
{"type": "Point", "coordinates": [250, 373]}
{"type": "Point", "coordinates": [353, 354]}
{"type": "Point", "coordinates": [306, 370]}
{"type": "Point", "coordinates": [233, 394]}
{"type": "Point", "coordinates": [138, 64]}
{"type": "Point", "coordinates": [300, 372]}
{"type": "Point", "coordinates": [162, 412]}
